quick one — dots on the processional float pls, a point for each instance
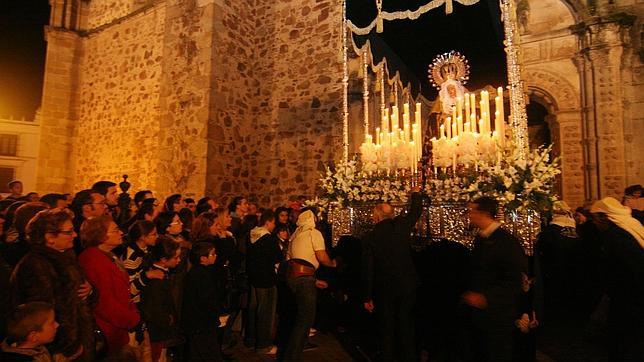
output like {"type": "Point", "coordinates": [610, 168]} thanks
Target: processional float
{"type": "Point", "coordinates": [475, 149]}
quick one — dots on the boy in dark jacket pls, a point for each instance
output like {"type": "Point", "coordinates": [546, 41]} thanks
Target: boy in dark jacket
{"type": "Point", "coordinates": [200, 313]}
{"type": "Point", "coordinates": [264, 254]}
{"type": "Point", "coordinates": [157, 304]}
{"type": "Point", "coordinates": [29, 328]}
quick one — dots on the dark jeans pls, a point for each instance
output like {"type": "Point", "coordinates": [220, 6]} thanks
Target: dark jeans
{"type": "Point", "coordinates": [394, 311]}
{"type": "Point", "coordinates": [303, 289]}
{"type": "Point", "coordinates": [261, 314]}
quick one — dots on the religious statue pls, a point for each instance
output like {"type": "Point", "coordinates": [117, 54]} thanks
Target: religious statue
{"type": "Point", "coordinates": [448, 73]}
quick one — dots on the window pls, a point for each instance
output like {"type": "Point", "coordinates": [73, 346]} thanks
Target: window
{"type": "Point", "coordinates": [7, 174]}
{"type": "Point", "coordinates": [8, 144]}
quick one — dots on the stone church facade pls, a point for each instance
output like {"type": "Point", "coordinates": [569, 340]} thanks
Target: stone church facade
{"type": "Point", "coordinates": [225, 97]}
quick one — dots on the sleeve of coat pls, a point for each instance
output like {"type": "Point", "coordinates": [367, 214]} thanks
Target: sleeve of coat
{"type": "Point", "coordinates": [33, 283]}
{"type": "Point", "coordinates": [110, 307]}
{"type": "Point", "coordinates": [415, 210]}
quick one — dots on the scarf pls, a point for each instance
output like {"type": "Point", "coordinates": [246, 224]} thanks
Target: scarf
{"type": "Point", "coordinates": [620, 215]}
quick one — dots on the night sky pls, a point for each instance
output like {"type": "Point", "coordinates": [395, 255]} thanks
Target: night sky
{"type": "Point", "coordinates": [475, 31]}
{"type": "Point", "coordinates": [22, 56]}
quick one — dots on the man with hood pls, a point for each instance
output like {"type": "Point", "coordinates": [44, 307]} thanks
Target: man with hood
{"type": "Point", "coordinates": [623, 245]}
{"type": "Point", "coordinates": [263, 253]}
{"type": "Point", "coordinates": [306, 251]}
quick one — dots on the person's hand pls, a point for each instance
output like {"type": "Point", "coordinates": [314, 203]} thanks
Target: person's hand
{"type": "Point", "coordinates": [321, 284]}
{"type": "Point", "coordinates": [154, 274]}
{"type": "Point", "coordinates": [84, 290]}
{"type": "Point", "coordinates": [369, 306]}
{"type": "Point", "coordinates": [534, 323]}
{"type": "Point", "coordinates": [476, 300]}
{"type": "Point", "coordinates": [523, 324]}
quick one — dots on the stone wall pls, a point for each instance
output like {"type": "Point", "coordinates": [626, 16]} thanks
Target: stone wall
{"type": "Point", "coordinates": [277, 129]}
{"type": "Point", "coordinates": [119, 125]}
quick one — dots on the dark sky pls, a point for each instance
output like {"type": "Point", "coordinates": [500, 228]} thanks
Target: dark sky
{"type": "Point", "coordinates": [22, 56]}
{"type": "Point", "coordinates": [475, 31]}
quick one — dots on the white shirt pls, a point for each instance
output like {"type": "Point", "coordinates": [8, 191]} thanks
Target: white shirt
{"type": "Point", "coordinates": [304, 245]}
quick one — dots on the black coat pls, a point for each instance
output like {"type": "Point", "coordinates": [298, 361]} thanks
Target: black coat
{"type": "Point", "coordinates": [386, 254]}
{"type": "Point", "coordinates": [201, 303]}
{"type": "Point", "coordinates": [496, 266]}
{"type": "Point", "coordinates": [262, 256]}
{"type": "Point", "coordinates": [624, 276]}
{"type": "Point", "coordinates": [158, 309]}
{"type": "Point", "coordinates": [47, 275]}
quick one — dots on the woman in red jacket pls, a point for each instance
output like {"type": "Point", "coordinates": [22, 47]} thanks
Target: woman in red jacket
{"type": "Point", "coordinates": [115, 313]}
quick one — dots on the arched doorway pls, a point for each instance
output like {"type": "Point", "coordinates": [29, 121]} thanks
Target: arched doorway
{"type": "Point", "coordinates": [543, 129]}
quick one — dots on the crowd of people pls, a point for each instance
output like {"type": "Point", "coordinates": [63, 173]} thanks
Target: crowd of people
{"type": "Point", "coordinates": [187, 280]}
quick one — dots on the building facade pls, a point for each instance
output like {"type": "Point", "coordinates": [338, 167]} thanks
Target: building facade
{"type": "Point", "coordinates": [19, 149]}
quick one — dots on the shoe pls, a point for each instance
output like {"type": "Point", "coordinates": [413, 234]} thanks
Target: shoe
{"type": "Point", "coordinates": [310, 347]}
{"type": "Point", "coordinates": [312, 332]}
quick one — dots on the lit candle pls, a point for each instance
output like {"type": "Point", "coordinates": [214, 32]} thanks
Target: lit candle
{"type": "Point", "coordinates": [385, 121]}
{"type": "Point", "coordinates": [442, 127]}
{"type": "Point", "coordinates": [407, 129]}
{"type": "Point", "coordinates": [454, 115]}
{"type": "Point", "coordinates": [481, 127]}
{"type": "Point", "coordinates": [394, 117]}
{"type": "Point", "coordinates": [468, 111]}
{"type": "Point", "coordinates": [378, 136]}
{"type": "Point", "coordinates": [473, 106]}
{"type": "Point", "coordinates": [449, 128]}
{"type": "Point", "coordinates": [459, 107]}
{"type": "Point", "coordinates": [454, 131]}
{"type": "Point", "coordinates": [459, 124]}
{"type": "Point", "coordinates": [412, 151]}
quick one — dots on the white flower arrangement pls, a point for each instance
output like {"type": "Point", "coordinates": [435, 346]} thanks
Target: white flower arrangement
{"type": "Point", "coordinates": [346, 184]}
{"type": "Point", "coordinates": [518, 184]}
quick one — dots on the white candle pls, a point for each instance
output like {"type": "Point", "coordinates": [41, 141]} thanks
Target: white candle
{"type": "Point", "coordinates": [468, 111]}
{"type": "Point", "coordinates": [442, 127]}
{"type": "Point", "coordinates": [449, 128]}
{"type": "Point", "coordinates": [473, 105]}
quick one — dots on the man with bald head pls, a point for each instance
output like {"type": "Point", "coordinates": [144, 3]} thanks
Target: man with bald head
{"type": "Point", "coordinates": [390, 279]}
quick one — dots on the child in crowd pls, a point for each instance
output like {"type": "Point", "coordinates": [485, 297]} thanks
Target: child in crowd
{"type": "Point", "coordinates": [157, 304]}
{"type": "Point", "coordinates": [29, 329]}
{"type": "Point", "coordinates": [200, 317]}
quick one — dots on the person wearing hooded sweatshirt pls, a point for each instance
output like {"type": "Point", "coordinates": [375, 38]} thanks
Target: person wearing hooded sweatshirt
{"type": "Point", "coordinates": [263, 253]}
{"type": "Point", "coordinates": [306, 251]}
{"type": "Point", "coordinates": [623, 247]}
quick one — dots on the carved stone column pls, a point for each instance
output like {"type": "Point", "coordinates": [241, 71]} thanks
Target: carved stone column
{"type": "Point", "coordinates": [603, 46]}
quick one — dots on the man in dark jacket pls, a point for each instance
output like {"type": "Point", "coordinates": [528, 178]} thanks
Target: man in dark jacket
{"type": "Point", "coordinates": [389, 277]}
{"type": "Point", "coordinates": [495, 284]}
{"type": "Point", "coordinates": [263, 255]}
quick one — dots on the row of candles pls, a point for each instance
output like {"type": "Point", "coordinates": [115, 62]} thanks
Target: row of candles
{"type": "Point", "coordinates": [464, 137]}
{"type": "Point", "coordinates": [396, 146]}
